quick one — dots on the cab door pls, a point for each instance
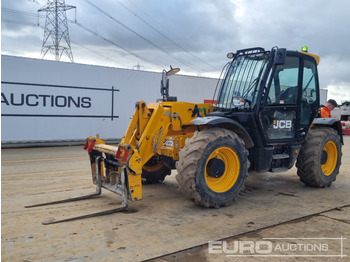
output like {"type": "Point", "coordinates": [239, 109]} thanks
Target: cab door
{"type": "Point", "coordinates": [291, 100]}
{"type": "Point", "coordinates": [280, 115]}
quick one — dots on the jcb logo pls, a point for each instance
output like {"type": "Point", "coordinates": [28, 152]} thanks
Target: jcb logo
{"type": "Point", "coordinates": [282, 124]}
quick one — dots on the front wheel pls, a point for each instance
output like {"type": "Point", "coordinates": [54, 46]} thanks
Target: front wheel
{"type": "Point", "coordinates": [319, 159]}
{"type": "Point", "coordinates": [154, 171]}
{"type": "Point", "coordinates": [213, 167]}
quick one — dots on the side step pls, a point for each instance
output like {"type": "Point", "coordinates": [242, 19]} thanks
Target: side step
{"type": "Point", "coordinates": [280, 156]}
{"type": "Point", "coordinates": [279, 169]}
{"type": "Point", "coordinates": [123, 206]}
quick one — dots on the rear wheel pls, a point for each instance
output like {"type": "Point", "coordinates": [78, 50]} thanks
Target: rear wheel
{"type": "Point", "coordinates": [154, 171]}
{"type": "Point", "coordinates": [212, 167]}
{"type": "Point", "coordinates": [319, 159]}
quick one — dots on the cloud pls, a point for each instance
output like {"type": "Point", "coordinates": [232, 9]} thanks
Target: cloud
{"type": "Point", "coordinates": [193, 35]}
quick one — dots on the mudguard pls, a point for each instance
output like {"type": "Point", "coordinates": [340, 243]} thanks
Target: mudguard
{"type": "Point", "coordinates": [225, 123]}
{"type": "Point", "coordinates": [331, 122]}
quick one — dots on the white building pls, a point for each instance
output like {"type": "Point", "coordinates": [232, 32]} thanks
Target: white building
{"type": "Point", "coordinates": [47, 101]}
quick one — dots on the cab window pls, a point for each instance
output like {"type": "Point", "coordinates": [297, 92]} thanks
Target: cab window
{"type": "Point", "coordinates": [309, 92]}
{"type": "Point", "coordinates": [284, 83]}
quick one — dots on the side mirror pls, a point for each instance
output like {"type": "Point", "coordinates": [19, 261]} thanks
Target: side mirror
{"type": "Point", "coordinates": [280, 56]}
{"type": "Point", "coordinates": [164, 84]}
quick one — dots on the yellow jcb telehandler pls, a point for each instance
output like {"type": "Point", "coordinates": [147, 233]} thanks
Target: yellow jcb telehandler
{"type": "Point", "coordinates": [264, 118]}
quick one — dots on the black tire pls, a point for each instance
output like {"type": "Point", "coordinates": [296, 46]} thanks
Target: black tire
{"type": "Point", "coordinates": [213, 167]}
{"type": "Point", "coordinates": [319, 159]}
{"type": "Point", "coordinates": [154, 171]}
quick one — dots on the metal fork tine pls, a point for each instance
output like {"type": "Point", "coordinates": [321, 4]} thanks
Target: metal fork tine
{"type": "Point", "coordinates": [102, 213]}
{"type": "Point", "coordinates": [66, 200]}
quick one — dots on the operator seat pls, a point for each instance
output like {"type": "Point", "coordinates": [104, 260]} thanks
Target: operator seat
{"type": "Point", "coordinates": [288, 96]}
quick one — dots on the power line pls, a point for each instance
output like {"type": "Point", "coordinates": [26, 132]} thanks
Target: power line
{"type": "Point", "coordinates": [74, 42]}
{"type": "Point", "coordinates": [137, 6]}
{"type": "Point", "coordinates": [165, 36]}
{"type": "Point", "coordinates": [117, 45]}
{"type": "Point", "coordinates": [144, 38]}
{"type": "Point", "coordinates": [19, 22]}
{"type": "Point", "coordinates": [82, 27]}
{"type": "Point", "coordinates": [9, 10]}
{"type": "Point", "coordinates": [92, 32]}
{"type": "Point", "coordinates": [95, 52]}
{"type": "Point", "coordinates": [155, 21]}
{"type": "Point", "coordinates": [34, 1]}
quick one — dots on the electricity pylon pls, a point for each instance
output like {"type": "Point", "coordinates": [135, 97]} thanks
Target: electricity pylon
{"type": "Point", "coordinates": [56, 29]}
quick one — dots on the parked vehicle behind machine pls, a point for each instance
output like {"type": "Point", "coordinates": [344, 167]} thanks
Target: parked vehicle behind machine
{"type": "Point", "coordinates": [345, 111]}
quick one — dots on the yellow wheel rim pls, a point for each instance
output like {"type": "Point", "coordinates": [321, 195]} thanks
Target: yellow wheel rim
{"type": "Point", "coordinates": [229, 172]}
{"type": "Point", "coordinates": [332, 157]}
{"type": "Point", "coordinates": [153, 168]}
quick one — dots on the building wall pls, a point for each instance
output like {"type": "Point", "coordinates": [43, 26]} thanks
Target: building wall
{"type": "Point", "coordinates": [57, 101]}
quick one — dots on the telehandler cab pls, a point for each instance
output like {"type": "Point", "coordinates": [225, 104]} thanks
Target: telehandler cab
{"type": "Point", "coordinates": [264, 118]}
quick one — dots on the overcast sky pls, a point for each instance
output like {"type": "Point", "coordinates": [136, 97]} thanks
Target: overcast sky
{"type": "Point", "coordinates": [194, 35]}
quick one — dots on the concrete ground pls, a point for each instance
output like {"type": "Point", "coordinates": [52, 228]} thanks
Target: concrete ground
{"type": "Point", "coordinates": [276, 219]}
